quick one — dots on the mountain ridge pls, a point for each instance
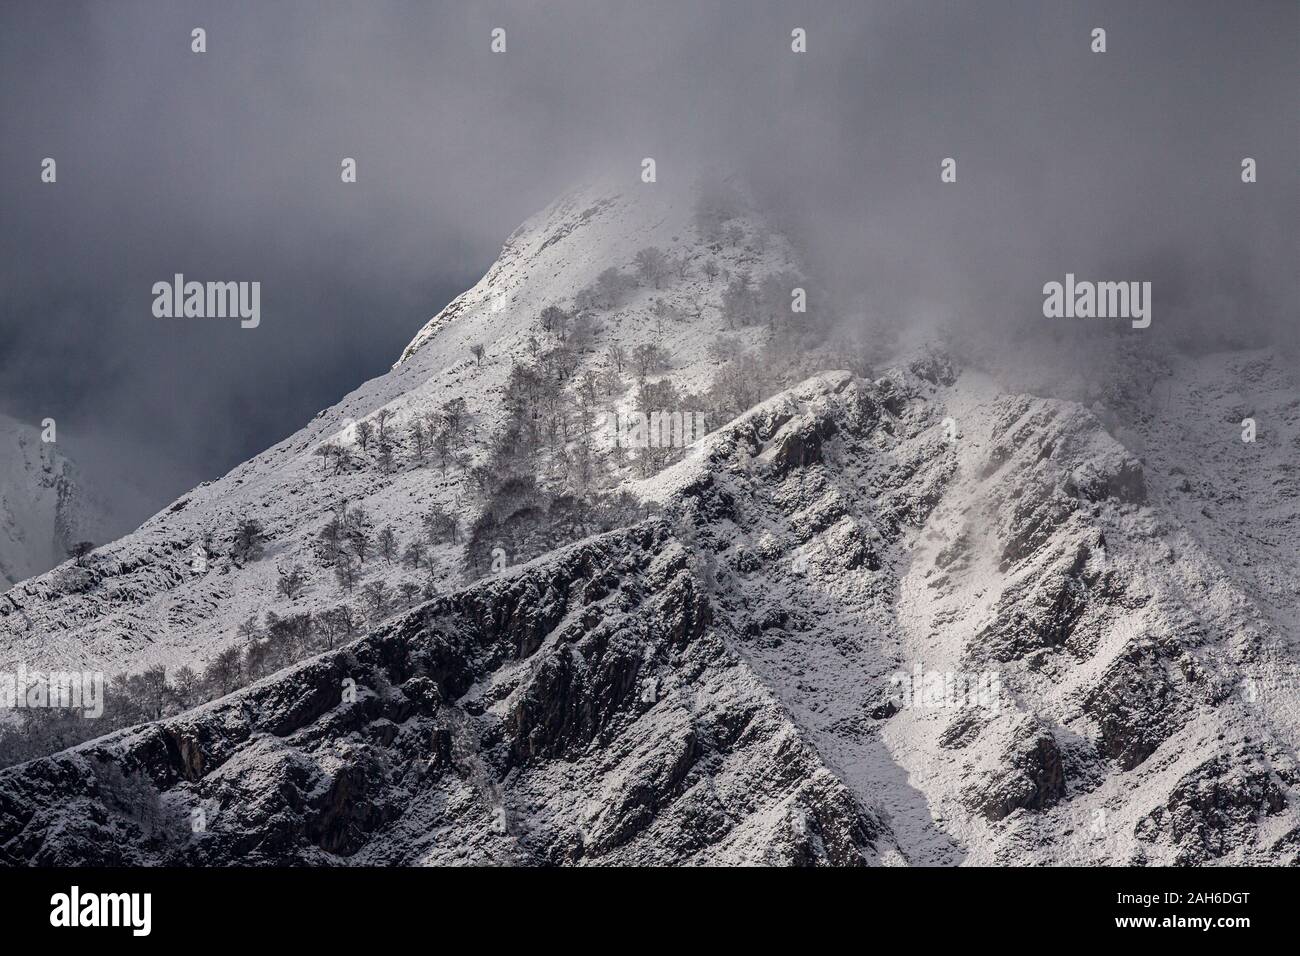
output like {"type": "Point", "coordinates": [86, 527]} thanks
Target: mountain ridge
{"type": "Point", "coordinates": [488, 719]}
{"type": "Point", "coordinates": [155, 595]}
{"type": "Point", "coordinates": [764, 654]}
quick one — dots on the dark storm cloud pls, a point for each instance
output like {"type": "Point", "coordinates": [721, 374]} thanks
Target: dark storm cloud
{"type": "Point", "coordinates": [226, 166]}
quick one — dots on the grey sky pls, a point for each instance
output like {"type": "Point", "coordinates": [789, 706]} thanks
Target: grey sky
{"type": "Point", "coordinates": [226, 166]}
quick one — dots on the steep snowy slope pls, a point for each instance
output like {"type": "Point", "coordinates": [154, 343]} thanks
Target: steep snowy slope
{"type": "Point", "coordinates": [579, 710]}
{"type": "Point", "coordinates": [144, 601]}
{"type": "Point", "coordinates": [1095, 686]}
{"type": "Point", "coordinates": [727, 681]}
{"type": "Point", "coordinates": [1129, 652]}
{"type": "Point", "coordinates": [1239, 500]}
{"type": "Point", "coordinates": [43, 508]}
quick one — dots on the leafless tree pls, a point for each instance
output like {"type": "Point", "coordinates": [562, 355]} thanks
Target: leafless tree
{"type": "Point", "coordinates": [80, 551]}
{"type": "Point", "coordinates": [652, 265]}
{"type": "Point", "coordinates": [365, 431]}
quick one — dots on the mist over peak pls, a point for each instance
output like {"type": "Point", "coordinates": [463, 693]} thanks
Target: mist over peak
{"type": "Point", "coordinates": [1123, 165]}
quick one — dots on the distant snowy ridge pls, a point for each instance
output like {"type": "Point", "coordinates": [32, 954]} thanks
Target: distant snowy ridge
{"type": "Point", "coordinates": [43, 506]}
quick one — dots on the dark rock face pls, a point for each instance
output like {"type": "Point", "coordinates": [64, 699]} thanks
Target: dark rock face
{"type": "Point", "coordinates": [1034, 613]}
{"type": "Point", "coordinates": [1036, 515]}
{"type": "Point", "coordinates": [593, 681]}
{"type": "Point", "coordinates": [1031, 776]}
{"type": "Point", "coordinates": [1137, 707]}
{"type": "Point", "coordinates": [934, 368]}
{"type": "Point", "coordinates": [1123, 480]}
{"type": "Point", "coordinates": [801, 445]}
{"type": "Point", "coordinates": [1219, 804]}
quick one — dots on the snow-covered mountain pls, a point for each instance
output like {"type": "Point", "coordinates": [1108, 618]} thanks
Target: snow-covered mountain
{"type": "Point", "coordinates": [145, 603]}
{"type": "Point", "coordinates": [44, 507]}
{"type": "Point", "coordinates": [919, 617]}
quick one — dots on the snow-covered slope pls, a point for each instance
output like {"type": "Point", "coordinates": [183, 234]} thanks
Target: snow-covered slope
{"type": "Point", "coordinates": [145, 603]}
{"type": "Point", "coordinates": [43, 507]}
{"type": "Point", "coordinates": [721, 682]}
{"type": "Point", "coordinates": [917, 618]}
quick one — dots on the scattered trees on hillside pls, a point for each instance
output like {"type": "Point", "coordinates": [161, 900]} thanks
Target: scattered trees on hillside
{"type": "Point", "coordinates": [419, 437]}
{"type": "Point", "coordinates": [739, 301]}
{"type": "Point", "coordinates": [555, 321]}
{"type": "Point", "coordinates": [525, 525]}
{"type": "Point", "coordinates": [653, 398]}
{"type": "Point", "coordinates": [454, 416]}
{"type": "Point", "coordinates": [588, 392]}
{"type": "Point", "coordinates": [410, 592]}
{"type": "Point", "coordinates": [610, 287]}
{"type": "Point", "coordinates": [347, 569]}
{"type": "Point", "coordinates": [648, 359]}
{"type": "Point", "coordinates": [384, 456]}
{"type": "Point", "coordinates": [260, 648]}
{"type": "Point", "coordinates": [386, 544]}
{"type": "Point", "coordinates": [343, 458]}
{"type": "Point", "coordinates": [364, 431]}
{"type": "Point", "coordinates": [250, 539]}
{"type": "Point", "coordinates": [292, 582]}
{"type": "Point", "coordinates": [444, 451]}
{"type": "Point", "coordinates": [356, 528]}
{"type": "Point", "coordinates": [440, 523]}
{"type": "Point", "coordinates": [551, 443]}
{"type": "Point", "coordinates": [616, 355]}
{"type": "Point", "coordinates": [741, 384]}
{"type": "Point", "coordinates": [378, 440]}
{"type": "Point", "coordinates": [341, 454]}
{"type": "Point", "coordinates": [187, 687]}
{"type": "Point", "coordinates": [583, 332]}
{"type": "Point", "coordinates": [416, 554]}
{"type": "Point", "coordinates": [725, 348]}
{"type": "Point", "coordinates": [325, 452]}
{"type": "Point", "coordinates": [653, 266]}
{"type": "Point", "coordinates": [344, 624]}
{"type": "Point", "coordinates": [611, 382]}
{"type": "Point", "coordinates": [225, 673]}
{"type": "Point", "coordinates": [376, 597]}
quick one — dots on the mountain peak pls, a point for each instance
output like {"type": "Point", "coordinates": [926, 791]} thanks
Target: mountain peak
{"type": "Point", "coordinates": [559, 251]}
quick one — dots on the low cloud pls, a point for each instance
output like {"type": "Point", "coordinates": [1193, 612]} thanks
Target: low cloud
{"type": "Point", "coordinates": [225, 166]}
